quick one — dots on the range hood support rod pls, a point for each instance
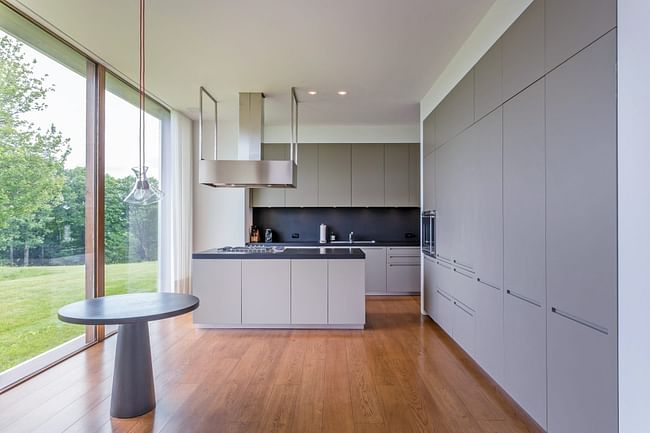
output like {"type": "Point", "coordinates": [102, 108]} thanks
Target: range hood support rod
{"type": "Point", "coordinates": [202, 90]}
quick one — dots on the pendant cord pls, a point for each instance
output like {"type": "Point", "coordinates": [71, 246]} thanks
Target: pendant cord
{"type": "Point", "coordinates": [141, 90]}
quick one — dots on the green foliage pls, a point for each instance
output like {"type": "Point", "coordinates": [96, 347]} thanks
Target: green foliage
{"type": "Point", "coordinates": [31, 160]}
{"type": "Point", "coordinates": [41, 203]}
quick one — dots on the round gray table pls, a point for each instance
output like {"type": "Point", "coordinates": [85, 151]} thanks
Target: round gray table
{"type": "Point", "coordinates": [133, 387]}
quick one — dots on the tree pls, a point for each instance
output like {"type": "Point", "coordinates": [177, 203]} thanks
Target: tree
{"type": "Point", "coordinates": [31, 160]}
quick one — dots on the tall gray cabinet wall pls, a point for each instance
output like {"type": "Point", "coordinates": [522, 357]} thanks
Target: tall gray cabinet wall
{"type": "Point", "coordinates": [520, 164]}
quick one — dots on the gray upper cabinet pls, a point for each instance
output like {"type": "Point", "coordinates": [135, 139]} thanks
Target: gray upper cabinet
{"type": "Point", "coordinates": [367, 174]}
{"type": "Point", "coordinates": [581, 184]}
{"type": "Point", "coordinates": [487, 82]}
{"type": "Point", "coordinates": [523, 50]}
{"type": "Point", "coordinates": [396, 178]}
{"type": "Point", "coordinates": [334, 182]}
{"type": "Point", "coordinates": [456, 111]}
{"type": "Point", "coordinates": [306, 192]}
{"type": "Point", "coordinates": [524, 194]}
{"type": "Point", "coordinates": [572, 25]}
{"type": "Point", "coordinates": [271, 197]}
{"type": "Point", "coordinates": [414, 174]}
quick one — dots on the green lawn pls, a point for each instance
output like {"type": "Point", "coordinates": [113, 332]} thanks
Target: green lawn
{"type": "Point", "coordinates": [30, 298]}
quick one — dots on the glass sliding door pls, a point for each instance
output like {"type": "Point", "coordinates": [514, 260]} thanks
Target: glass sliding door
{"type": "Point", "coordinates": [131, 232]}
{"type": "Point", "coordinates": [42, 195]}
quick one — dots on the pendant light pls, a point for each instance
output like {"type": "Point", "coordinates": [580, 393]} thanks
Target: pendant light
{"type": "Point", "coordinates": [143, 193]}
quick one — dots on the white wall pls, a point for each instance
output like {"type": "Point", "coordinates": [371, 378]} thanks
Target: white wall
{"type": "Point", "coordinates": [345, 133]}
{"type": "Point", "coordinates": [633, 215]}
{"type": "Point", "coordinates": [495, 22]}
{"type": "Point", "coordinates": [219, 213]}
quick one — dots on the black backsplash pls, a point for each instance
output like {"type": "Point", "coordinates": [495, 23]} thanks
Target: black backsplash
{"type": "Point", "coordinates": [380, 224]}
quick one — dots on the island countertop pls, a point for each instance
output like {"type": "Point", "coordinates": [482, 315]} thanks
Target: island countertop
{"type": "Point", "coordinates": [286, 254]}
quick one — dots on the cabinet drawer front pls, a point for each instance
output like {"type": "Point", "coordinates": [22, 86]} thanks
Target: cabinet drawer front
{"type": "Point", "coordinates": [403, 278]}
{"type": "Point", "coordinates": [403, 251]}
{"type": "Point", "coordinates": [524, 326]}
{"type": "Point", "coordinates": [463, 327]}
{"type": "Point", "coordinates": [397, 260]}
{"type": "Point", "coordinates": [582, 378]}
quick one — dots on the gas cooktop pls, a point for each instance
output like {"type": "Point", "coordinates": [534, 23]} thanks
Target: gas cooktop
{"type": "Point", "coordinates": [250, 249]}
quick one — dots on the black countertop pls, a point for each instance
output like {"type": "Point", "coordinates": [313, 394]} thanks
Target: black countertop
{"type": "Point", "coordinates": [357, 244]}
{"type": "Point", "coordinates": [287, 254]}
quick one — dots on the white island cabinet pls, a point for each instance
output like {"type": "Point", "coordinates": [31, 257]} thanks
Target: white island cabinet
{"type": "Point", "coordinates": [300, 288]}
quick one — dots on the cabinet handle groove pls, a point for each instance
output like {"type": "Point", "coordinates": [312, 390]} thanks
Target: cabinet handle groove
{"type": "Point", "coordinates": [523, 298]}
{"type": "Point", "coordinates": [464, 265]}
{"type": "Point", "coordinates": [392, 257]}
{"type": "Point", "coordinates": [494, 286]}
{"type": "Point", "coordinates": [461, 305]}
{"type": "Point", "coordinates": [460, 271]}
{"type": "Point", "coordinates": [583, 322]}
{"type": "Point", "coordinates": [443, 295]}
{"type": "Point", "coordinates": [443, 258]}
{"type": "Point", "coordinates": [403, 264]}
{"type": "Point", "coordinates": [444, 265]}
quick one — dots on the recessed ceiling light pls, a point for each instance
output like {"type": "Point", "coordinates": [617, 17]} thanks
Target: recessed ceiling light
{"type": "Point", "coordinates": [342, 92]}
{"type": "Point", "coordinates": [312, 92]}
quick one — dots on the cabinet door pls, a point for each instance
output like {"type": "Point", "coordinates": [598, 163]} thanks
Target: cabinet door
{"type": "Point", "coordinates": [456, 111]}
{"type": "Point", "coordinates": [334, 176]}
{"type": "Point", "coordinates": [217, 283]}
{"type": "Point", "coordinates": [367, 175]}
{"type": "Point", "coordinates": [403, 277]}
{"type": "Point", "coordinates": [572, 25]}
{"type": "Point", "coordinates": [428, 287]}
{"type": "Point", "coordinates": [523, 50]}
{"type": "Point", "coordinates": [524, 325]}
{"type": "Point", "coordinates": [582, 378]}
{"type": "Point", "coordinates": [487, 82]}
{"type": "Point", "coordinates": [308, 292]}
{"type": "Point", "coordinates": [464, 327]}
{"type": "Point", "coordinates": [375, 270]}
{"type": "Point", "coordinates": [465, 205]}
{"type": "Point", "coordinates": [444, 194]}
{"type": "Point", "coordinates": [488, 221]}
{"type": "Point", "coordinates": [428, 182]}
{"type": "Point", "coordinates": [346, 292]}
{"type": "Point", "coordinates": [581, 184]}
{"type": "Point", "coordinates": [266, 292]}
{"type": "Point", "coordinates": [489, 330]}
{"type": "Point", "coordinates": [524, 194]}
{"type": "Point", "coordinates": [271, 197]}
{"type": "Point", "coordinates": [396, 178]}
{"type": "Point", "coordinates": [414, 175]}
{"type": "Point", "coordinates": [306, 192]}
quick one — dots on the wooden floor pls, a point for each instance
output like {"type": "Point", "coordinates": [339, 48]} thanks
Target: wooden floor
{"type": "Point", "coordinates": [401, 374]}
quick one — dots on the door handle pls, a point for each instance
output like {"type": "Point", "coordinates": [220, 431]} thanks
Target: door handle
{"type": "Point", "coordinates": [523, 298]}
{"type": "Point", "coordinates": [583, 322]}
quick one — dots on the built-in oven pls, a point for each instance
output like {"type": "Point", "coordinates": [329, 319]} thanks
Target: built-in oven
{"type": "Point", "coordinates": [429, 232]}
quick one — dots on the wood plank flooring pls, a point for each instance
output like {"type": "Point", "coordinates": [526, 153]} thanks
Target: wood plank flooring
{"type": "Point", "coordinates": [401, 374]}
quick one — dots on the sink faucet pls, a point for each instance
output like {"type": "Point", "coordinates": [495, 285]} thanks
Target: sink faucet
{"type": "Point", "coordinates": [350, 236]}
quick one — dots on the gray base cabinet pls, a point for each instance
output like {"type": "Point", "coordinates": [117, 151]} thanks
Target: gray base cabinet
{"type": "Point", "coordinates": [219, 303]}
{"type": "Point", "coordinates": [403, 269]}
{"type": "Point", "coordinates": [345, 277]}
{"type": "Point", "coordinates": [266, 292]}
{"type": "Point", "coordinates": [375, 270]}
{"type": "Point", "coordinates": [489, 348]}
{"type": "Point", "coordinates": [308, 292]}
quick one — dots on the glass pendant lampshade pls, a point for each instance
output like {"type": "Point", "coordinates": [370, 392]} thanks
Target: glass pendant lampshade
{"type": "Point", "coordinates": [143, 192]}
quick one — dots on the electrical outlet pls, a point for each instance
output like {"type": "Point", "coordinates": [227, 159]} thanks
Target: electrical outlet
{"type": "Point", "coordinates": [409, 235]}
{"type": "Point", "coordinates": [295, 235]}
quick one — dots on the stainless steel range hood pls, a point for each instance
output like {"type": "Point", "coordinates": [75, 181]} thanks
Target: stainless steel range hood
{"type": "Point", "coordinates": [252, 172]}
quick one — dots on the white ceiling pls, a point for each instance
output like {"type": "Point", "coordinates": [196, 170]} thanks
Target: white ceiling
{"type": "Point", "coordinates": [385, 53]}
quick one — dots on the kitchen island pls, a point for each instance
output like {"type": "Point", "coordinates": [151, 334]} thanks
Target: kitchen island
{"type": "Point", "coordinates": [319, 288]}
